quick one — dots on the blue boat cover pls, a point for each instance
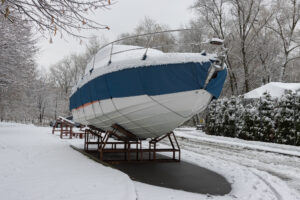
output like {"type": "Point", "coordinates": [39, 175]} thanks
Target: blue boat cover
{"type": "Point", "coordinates": [150, 80]}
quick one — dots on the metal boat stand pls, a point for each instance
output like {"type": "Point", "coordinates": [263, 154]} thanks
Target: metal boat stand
{"type": "Point", "coordinates": [120, 145]}
{"type": "Point", "coordinates": [66, 130]}
{"type": "Point", "coordinates": [175, 146]}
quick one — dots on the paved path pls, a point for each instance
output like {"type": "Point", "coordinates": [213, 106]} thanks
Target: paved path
{"type": "Point", "coordinates": [175, 175]}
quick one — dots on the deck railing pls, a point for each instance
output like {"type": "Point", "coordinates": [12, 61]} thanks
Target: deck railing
{"type": "Point", "coordinates": [149, 40]}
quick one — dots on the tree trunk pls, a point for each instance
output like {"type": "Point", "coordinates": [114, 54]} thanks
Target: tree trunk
{"type": "Point", "coordinates": [282, 72]}
{"type": "Point", "coordinates": [246, 71]}
{"type": "Point", "coordinates": [232, 79]}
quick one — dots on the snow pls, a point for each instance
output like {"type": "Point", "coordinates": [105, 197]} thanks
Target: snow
{"type": "Point", "coordinates": [253, 145]}
{"type": "Point", "coordinates": [65, 119]}
{"type": "Point", "coordinates": [258, 156]}
{"type": "Point", "coordinates": [133, 59]}
{"type": "Point", "coordinates": [38, 165]}
{"type": "Point", "coordinates": [217, 41]}
{"type": "Point", "coordinates": [248, 181]}
{"type": "Point", "coordinates": [102, 57]}
{"type": "Point", "coordinates": [276, 89]}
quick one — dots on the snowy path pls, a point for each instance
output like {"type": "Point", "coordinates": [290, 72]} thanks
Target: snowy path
{"type": "Point", "coordinates": [248, 154]}
{"type": "Point", "coordinates": [35, 165]}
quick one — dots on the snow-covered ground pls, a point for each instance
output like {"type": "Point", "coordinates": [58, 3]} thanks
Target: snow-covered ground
{"type": "Point", "coordinates": [38, 165]}
{"type": "Point", "coordinates": [35, 165]}
{"type": "Point", "coordinates": [281, 162]}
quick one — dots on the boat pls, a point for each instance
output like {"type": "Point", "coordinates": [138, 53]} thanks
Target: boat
{"type": "Point", "coordinates": [145, 91]}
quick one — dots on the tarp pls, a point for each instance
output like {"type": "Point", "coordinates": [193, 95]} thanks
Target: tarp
{"type": "Point", "coordinates": [153, 80]}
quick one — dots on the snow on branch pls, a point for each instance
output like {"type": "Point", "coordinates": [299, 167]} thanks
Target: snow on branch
{"type": "Point", "coordinates": [56, 16]}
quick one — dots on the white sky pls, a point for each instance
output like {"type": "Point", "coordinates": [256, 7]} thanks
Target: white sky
{"type": "Point", "coordinates": [123, 16]}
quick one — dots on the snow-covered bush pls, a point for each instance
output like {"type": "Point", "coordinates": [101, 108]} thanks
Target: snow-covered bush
{"type": "Point", "coordinates": [229, 118]}
{"type": "Point", "coordinates": [250, 127]}
{"type": "Point", "coordinates": [220, 117]}
{"type": "Point", "coordinates": [297, 120]}
{"type": "Point", "coordinates": [211, 118]}
{"type": "Point", "coordinates": [233, 111]}
{"type": "Point", "coordinates": [266, 119]}
{"type": "Point", "coordinates": [285, 120]}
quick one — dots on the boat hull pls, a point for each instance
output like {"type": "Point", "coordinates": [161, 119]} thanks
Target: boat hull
{"type": "Point", "coordinates": [145, 116]}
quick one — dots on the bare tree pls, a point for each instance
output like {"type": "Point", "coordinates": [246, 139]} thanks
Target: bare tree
{"type": "Point", "coordinates": [241, 24]}
{"type": "Point", "coordinates": [267, 53]}
{"type": "Point", "coordinates": [192, 40]}
{"type": "Point", "coordinates": [93, 45]}
{"type": "Point", "coordinates": [285, 26]}
{"type": "Point", "coordinates": [214, 14]}
{"type": "Point", "coordinates": [56, 16]}
{"type": "Point", "coordinates": [65, 73]}
{"type": "Point", "coordinates": [42, 97]}
{"type": "Point", "coordinates": [248, 21]}
{"type": "Point", "coordinates": [17, 67]}
{"type": "Point", "coordinates": [17, 51]}
{"type": "Point", "coordinates": [163, 41]}
{"type": "Point", "coordinates": [62, 76]}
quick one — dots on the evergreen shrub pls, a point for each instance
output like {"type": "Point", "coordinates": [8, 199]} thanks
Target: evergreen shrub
{"type": "Point", "coordinates": [266, 119]}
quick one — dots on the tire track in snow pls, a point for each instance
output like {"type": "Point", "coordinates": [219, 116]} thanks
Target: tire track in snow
{"type": "Point", "coordinates": [263, 161]}
{"type": "Point", "coordinates": [278, 196]}
{"type": "Point", "coordinates": [249, 158]}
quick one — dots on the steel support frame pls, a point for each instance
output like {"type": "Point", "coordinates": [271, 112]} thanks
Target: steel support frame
{"type": "Point", "coordinates": [174, 144]}
{"type": "Point", "coordinates": [130, 145]}
{"type": "Point", "coordinates": [66, 129]}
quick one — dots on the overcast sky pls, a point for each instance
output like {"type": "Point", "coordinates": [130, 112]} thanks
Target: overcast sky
{"type": "Point", "coordinates": [123, 16]}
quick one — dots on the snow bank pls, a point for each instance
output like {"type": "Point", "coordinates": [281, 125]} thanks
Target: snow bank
{"type": "Point", "coordinates": [37, 165]}
{"type": "Point", "coordinates": [12, 124]}
{"type": "Point", "coordinates": [276, 89]}
{"type": "Point", "coordinates": [253, 145]}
